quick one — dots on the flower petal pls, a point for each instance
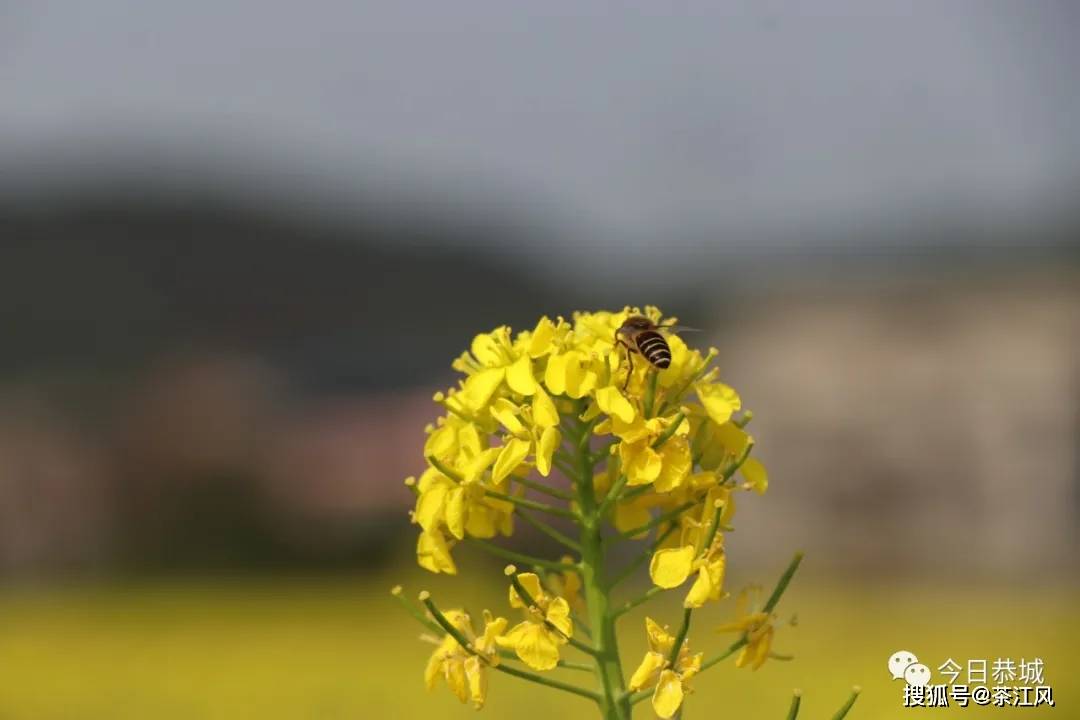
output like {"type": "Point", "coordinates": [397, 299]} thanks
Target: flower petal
{"type": "Point", "coordinates": [545, 449]}
{"type": "Point", "coordinates": [479, 387]}
{"type": "Point", "coordinates": [755, 474]}
{"type": "Point", "coordinates": [535, 645]}
{"type": "Point", "coordinates": [519, 376]}
{"type": "Point", "coordinates": [506, 413]}
{"type": "Point", "coordinates": [612, 402]}
{"type": "Point", "coordinates": [555, 374]}
{"type": "Point", "coordinates": [720, 401]}
{"type": "Point", "coordinates": [531, 583]}
{"type": "Point", "coordinates": [544, 413]}
{"type": "Point", "coordinates": [430, 506]}
{"type": "Point", "coordinates": [513, 454]}
{"type": "Point", "coordinates": [670, 567]}
{"type": "Point", "coordinates": [642, 464]}
{"type": "Point", "coordinates": [477, 679]}
{"type": "Point", "coordinates": [558, 614]}
{"type": "Point", "coordinates": [668, 695]}
{"type": "Point", "coordinates": [540, 341]}
{"type": "Point", "coordinates": [648, 671]}
{"type": "Point", "coordinates": [677, 464]}
{"type": "Point", "coordinates": [432, 553]}
{"type": "Point", "coordinates": [455, 512]}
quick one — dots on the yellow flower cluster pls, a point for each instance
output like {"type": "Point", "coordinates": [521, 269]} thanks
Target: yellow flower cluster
{"type": "Point", "coordinates": [674, 436]}
{"type": "Point", "coordinates": [649, 452]}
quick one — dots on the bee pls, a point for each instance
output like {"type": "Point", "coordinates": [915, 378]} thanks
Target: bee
{"type": "Point", "coordinates": [640, 335]}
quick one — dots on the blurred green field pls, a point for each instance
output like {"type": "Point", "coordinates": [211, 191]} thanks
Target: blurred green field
{"type": "Point", "coordinates": [303, 648]}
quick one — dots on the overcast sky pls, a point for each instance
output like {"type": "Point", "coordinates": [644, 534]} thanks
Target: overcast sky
{"type": "Point", "coordinates": [617, 121]}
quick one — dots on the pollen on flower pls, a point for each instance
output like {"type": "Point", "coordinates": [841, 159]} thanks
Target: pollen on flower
{"type": "Point", "coordinates": [423, 596]}
{"type": "Point", "coordinates": [509, 570]}
{"type": "Point", "coordinates": [396, 590]}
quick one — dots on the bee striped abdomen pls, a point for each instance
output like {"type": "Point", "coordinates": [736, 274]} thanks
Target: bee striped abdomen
{"type": "Point", "coordinates": [654, 348]}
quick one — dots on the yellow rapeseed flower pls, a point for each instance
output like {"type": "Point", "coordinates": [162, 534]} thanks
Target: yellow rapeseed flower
{"type": "Point", "coordinates": [546, 627]}
{"type": "Point", "coordinates": [656, 670]}
{"type": "Point", "coordinates": [759, 630]}
{"type": "Point", "coordinates": [465, 672]}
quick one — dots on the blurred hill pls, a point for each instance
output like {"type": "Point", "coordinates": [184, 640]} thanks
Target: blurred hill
{"type": "Point", "coordinates": [108, 282]}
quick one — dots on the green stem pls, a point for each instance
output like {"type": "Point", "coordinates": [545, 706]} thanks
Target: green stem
{"type": "Point", "coordinates": [782, 583]}
{"type": "Point", "coordinates": [521, 557]}
{"type": "Point", "coordinates": [612, 496]}
{"type": "Point", "coordinates": [613, 703]}
{"type": "Point", "coordinates": [650, 393]}
{"type": "Point", "coordinates": [732, 649]}
{"type": "Point", "coordinates": [549, 531]}
{"type": "Point", "coordinates": [680, 638]}
{"type": "Point", "coordinates": [843, 711]}
{"type": "Point", "coordinates": [550, 682]}
{"type": "Point", "coordinates": [532, 504]}
{"type": "Point", "coordinates": [542, 488]}
{"type": "Point", "coordinates": [565, 467]}
{"type": "Point", "coordinates": [414, 611]}
{"type": "Point", "coordinates": [796, 700]}
{"type": "Point", "coordinates": [658, 520]}
{"type": "Point", "coordinates": [669, 431]}
{"type": "Point", "coordinates": [644, 598]}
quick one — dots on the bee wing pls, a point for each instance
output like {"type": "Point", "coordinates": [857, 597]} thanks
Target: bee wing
{"type": "Point", "coordinates": [679, 328]}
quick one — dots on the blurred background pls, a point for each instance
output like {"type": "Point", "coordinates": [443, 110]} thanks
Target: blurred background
{"type": "Point", "coordinates": [240, 244]}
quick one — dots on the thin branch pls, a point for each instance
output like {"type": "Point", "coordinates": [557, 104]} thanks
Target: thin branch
{"type": "Point", "coordinates": [732, 649]}
{"type": "Point", "coordinates": [680, 638]}
{"type": "Point", "coordinates": [532, 504]}
{"type": "Point", "coordinates": [796, 700]}
{"type": "Point", "coordinates": [571, 665]}
{"type": "Point", "coordinates": [671, 430]}
{"type": "Point", "coordinates": [782, 583]}
{"type": "Point", "coordinates": [659, 520]}
{"type": "Point", "coordinates": [565, 467]}
{"type": "Point", "coordinates": [843, 711]}
{"type": "Point", "coordinates": [545, 489]}
{"type": "Point", "coordinates": [650, 393]}
{"type": "Point", "coordinates": [549, 531]}
{"type": "Point", "coordinates": [612, 496]}
{"type": "Point", "coordinates": [414, 611]}
{"type": "Point", "coordinates": [522, 558]}
{"type": "Point", "coordinates": [550, 682]}
{"type": "Point", "coordinates": [644, 598]}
